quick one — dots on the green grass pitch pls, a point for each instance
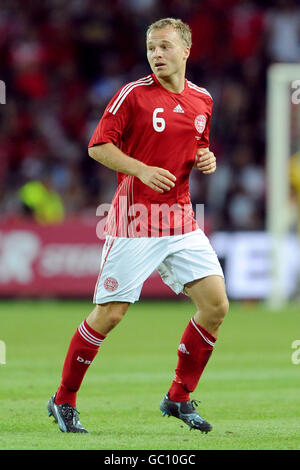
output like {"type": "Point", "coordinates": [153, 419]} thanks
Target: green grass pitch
{"type": "Point", "coordinates": [249, 390]}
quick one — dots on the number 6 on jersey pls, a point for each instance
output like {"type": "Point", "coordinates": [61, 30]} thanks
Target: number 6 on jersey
{"type": "Point", "coordinates": [159, 123]}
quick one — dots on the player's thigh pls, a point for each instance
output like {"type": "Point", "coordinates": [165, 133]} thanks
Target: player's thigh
{"type": "Point", "coordinates": [209, 295]}
{"type": "Point", "coordinates": [191, 257]}
{"type": "Point", "coordinates": [126, 264]}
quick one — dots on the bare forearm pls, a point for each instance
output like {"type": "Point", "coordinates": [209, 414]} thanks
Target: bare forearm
{"type": "Point", "coordinates": [156, 178]}
{"type": "Point", "coordinates": [112, 157]}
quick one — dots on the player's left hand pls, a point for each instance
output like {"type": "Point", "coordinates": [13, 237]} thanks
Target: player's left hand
{"type": "Point", "coordinates": [205, 161]}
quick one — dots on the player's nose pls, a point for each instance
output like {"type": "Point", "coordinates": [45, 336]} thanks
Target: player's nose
{"type": "Point", "coordinates": [157, 53]}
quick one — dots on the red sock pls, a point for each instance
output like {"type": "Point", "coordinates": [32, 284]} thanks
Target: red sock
{"type": "Point", "coordinates": [83, 348]}
{"type": "Point", "coordinates": [195, 349]}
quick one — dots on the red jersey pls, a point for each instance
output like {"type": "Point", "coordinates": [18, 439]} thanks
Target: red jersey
{"type": "Point", "coordinates": [159, 128]}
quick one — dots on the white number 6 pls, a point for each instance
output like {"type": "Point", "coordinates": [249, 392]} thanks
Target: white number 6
{"type": "Point", "coordinates": [159, 123]}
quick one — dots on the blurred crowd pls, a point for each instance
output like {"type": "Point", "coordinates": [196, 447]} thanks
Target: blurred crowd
{"type": "Point", "coordinates": [62, 60]}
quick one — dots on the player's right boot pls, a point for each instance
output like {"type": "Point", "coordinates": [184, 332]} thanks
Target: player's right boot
{"type": "Point", "coordinates": [185, 411]}
{"type": "Point", "coordinates": [66, 416]}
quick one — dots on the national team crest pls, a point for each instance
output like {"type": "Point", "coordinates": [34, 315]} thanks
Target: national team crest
{"type": "Point", "coordinates": [111, 284]}
{"type": "Point", "coordinates": [200, 123]}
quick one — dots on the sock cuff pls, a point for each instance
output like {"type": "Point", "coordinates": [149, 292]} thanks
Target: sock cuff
{"type": "Point", "coordinates": [206, 335]}
{"type": "Point", "coordinates": [90, 335]}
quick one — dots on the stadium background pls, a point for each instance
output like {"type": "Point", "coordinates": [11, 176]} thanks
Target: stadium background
{"type": "Point", "coordinates": [61, 61]}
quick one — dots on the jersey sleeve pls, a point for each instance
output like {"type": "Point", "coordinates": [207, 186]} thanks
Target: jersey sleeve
{"type": "Point", "coordinates": [114, 122]}
{"type": "Point", "coordinates": [204, 141]}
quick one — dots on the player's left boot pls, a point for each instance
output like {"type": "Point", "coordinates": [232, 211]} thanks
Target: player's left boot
{"type": "Point", "coordinates": [66, 416]}
{"type": "Point", "coordinates": [185, 411]}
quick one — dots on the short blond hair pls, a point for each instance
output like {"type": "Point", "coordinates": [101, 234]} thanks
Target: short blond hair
{"type": "Point", "coordinates": [182, 28]}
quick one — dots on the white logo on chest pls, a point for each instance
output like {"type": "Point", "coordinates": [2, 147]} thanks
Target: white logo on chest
{"type": "Point", "coordinates": [178, 109]}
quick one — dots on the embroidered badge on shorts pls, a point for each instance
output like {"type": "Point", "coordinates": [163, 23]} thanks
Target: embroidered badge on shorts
{"type": "Point", "coordinates": [111, 284]}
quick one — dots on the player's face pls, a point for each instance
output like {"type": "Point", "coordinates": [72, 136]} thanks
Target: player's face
{"type": "Point", "coordinates": [166, 52]}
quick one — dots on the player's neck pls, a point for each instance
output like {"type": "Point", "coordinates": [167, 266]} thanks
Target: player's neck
{"type": "Point", "coordinates": [175, 84]}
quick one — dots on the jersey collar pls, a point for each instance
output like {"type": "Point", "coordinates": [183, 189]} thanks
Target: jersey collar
{"type": "Point", "coordinates": [168, 91]}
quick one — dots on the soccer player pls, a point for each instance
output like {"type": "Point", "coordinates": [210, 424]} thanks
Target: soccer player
{"type": "Point", "coordinates": [153, 132]}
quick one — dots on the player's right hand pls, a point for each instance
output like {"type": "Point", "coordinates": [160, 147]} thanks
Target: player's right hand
{"type": "Point", "coordinates": [158, 179]}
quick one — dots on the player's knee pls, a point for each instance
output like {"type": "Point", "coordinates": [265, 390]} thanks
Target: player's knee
{"type": "Point", "coordinates": [217, 311]}
{"type": "Point", "coordinates": [110, 314]}
{"type": "Point", "coordinates": [115, 313]}
{"type": "Point", "coordinates": [115, 318]}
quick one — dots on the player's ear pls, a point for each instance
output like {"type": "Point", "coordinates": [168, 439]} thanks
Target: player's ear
{"type": "Point", "coordinates": [187, 51]}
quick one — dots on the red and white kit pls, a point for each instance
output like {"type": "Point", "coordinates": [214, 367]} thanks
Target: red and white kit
{"type": "Point", "coordinates": [163, 129]}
